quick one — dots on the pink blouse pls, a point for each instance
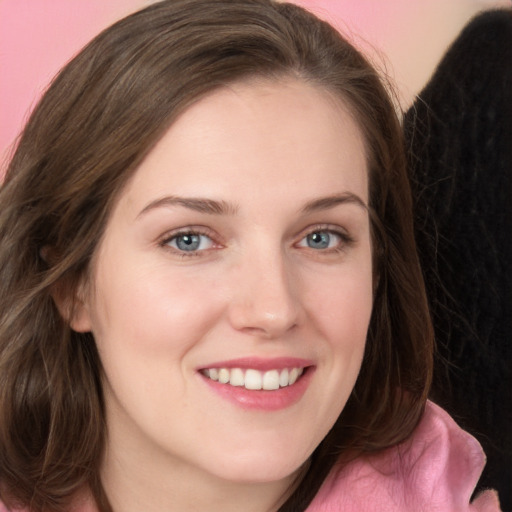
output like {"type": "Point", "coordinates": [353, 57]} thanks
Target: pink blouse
{"type": "Point", "coordinates": [435, 470]}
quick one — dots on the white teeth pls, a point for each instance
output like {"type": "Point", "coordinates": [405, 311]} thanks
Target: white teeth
{"type": "Point", "coordinates": [254, 379]}
{"type": "Point", "coordinates": [283, 378]}
{"type": "Point", "coordinates": [237, 377]}
{"type": "Point", "coordinates": [223, 375]}
{"type": "Point", "coordinates": [271, 380]}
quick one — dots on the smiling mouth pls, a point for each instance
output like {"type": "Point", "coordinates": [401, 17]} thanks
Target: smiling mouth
{"type": "Point", "coordinates": [252, 379]}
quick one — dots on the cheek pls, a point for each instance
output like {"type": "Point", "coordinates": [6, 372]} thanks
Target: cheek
{"type": "Point", "coordinates": [341, 313]}
{"type": "Point", "coordinates": [150, 308]}
{"type": "Point", "coordinates": [342, 305]}
{"type": "Point", "coordinates": [344, 322]}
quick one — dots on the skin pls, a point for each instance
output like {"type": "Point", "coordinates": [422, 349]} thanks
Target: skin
{"type": "Point", "coordinates": [254, 288]}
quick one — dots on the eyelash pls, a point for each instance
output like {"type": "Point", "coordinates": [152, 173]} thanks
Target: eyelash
{"type": "Point", "coordinates": [345, 240]}
{"type": "Point", "coordinates": [192, 231]}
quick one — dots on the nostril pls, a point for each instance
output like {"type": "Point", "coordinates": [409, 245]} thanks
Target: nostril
{"type": "Point", "coordinates": [267, 307]}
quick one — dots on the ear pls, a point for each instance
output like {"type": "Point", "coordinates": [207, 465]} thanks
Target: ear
{"type": "Point", "coordinates": [73, 306]}
{"type": "Point", "coordinates": [70, 298]}
{"type": "Point", "coordinates": [79, 318]}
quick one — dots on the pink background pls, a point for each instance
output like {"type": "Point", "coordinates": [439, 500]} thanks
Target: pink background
{"type": "Point", "coordinates": [36, 38]}
{"type": "Point", "coordinates": [406, 37]}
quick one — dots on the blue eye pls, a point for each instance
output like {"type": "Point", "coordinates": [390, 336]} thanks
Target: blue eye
{"type": "Point", "coordinates": [190, 242]}
{"type": "Point", "coordinates": [321, 240]}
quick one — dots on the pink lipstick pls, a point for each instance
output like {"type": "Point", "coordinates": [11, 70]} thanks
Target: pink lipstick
{"type": "Point", "coordinates": [257, 383]}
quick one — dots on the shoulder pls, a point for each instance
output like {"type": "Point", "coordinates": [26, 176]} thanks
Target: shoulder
{"type": "Point", "coordinates": [435, 470]}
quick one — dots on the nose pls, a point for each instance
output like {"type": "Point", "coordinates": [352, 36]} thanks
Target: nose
{"type": "Point", "coordinates": [265, 299]}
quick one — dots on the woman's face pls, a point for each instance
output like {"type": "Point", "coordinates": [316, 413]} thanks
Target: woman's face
{"type": "Point", "coordinates": [232, 291]}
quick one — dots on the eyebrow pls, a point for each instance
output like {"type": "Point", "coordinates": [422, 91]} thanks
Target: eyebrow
{"type": "Point", "coordinates": [325, 203]}
{"type": "Point", "coordinates": [213, 207]}
{"type": "Point", "coordinates": [198, 204]}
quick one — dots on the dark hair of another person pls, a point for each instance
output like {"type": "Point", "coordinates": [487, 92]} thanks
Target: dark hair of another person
{"type": "Point", "coordinates": [98, 120]}
{"type": "Point", "coordinates": [459, 138]}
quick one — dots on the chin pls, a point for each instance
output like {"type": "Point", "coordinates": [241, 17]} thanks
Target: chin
{"type": "Point", "coordinates": [261, 467]}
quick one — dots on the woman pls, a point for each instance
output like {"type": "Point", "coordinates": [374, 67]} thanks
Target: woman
{"type": "Point", "coordinates": [210, 291]}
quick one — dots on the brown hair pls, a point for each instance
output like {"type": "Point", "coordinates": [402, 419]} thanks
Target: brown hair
{"type": "Point", "coordinates": [102, 114]}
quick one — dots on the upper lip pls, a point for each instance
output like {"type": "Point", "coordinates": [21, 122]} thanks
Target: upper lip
{"type": "Point", "coordinates": [260, 363]}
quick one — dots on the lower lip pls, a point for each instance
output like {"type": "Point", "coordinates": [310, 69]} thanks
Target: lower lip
{"type": "Point", "coordinates": [261, 399]}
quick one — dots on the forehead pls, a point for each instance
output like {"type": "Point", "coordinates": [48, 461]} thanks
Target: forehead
{"type": "Point", "coordinates": [257, 136]}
